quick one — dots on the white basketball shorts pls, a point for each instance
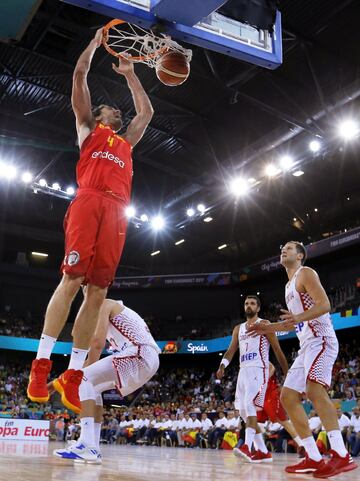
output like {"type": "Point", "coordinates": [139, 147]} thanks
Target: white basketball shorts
{"type": "Point", "coordinates": [314, 363]}
{"type": "Point", "coordinates": [250, 390]}
{"type": "Point", "coordinates": [127, 370]}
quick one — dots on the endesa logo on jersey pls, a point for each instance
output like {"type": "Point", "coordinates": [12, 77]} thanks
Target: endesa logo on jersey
{"type": "Point", "coordinates": [108, 155]}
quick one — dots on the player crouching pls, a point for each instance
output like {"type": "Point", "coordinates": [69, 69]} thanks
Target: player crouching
{"type": "Point", "coordinates": [134, 361]}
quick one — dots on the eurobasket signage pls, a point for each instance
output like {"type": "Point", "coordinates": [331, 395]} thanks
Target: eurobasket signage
{"type": "Point", "coordinates": [180, 280]}
{"type": "Point", "coordinates": [343, 320]}
{"type": "Point", "coordinates": [24, 429]}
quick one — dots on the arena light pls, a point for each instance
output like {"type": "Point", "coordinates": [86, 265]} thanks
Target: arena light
{"type": "Point", "coordinates": [286, 162]}
{"type": "Point", "coordinates": [181, 241]}
{"type": "Point", "coordinates": [39, 254]}
{"type": "Point", "coordinates": [208, 219]}
{"type": "Point", "coordinates": [144, 218]}
{"type": "Point", "coordinates": [190, 212]}
{"type": "Point", "coordinates": [155, 253]}
{"type": "Point", "coordinates": [348, 129]}
{"type": "Point", "coordinates": [239, 187]}
{"type": "Point", "coordinates": [70, 190]}
{"type": "Point", "coordinates": [251, 180]}
{"type": "Point", "coordinates": [42, 183]}
{"type": "Point", "coordinates": [7, 171]}
{"type": "Point", "coordinates": [222, 247]}
{"type": "Point", "coordinates": [298, 173]}
{"type": "Point", "coordinates": [157, 222]}
{"type": "Point", "coordinates": [56, 186]}
{"type": "Point", "coordinates": [27, 177]}
{"type": "Point", "coordinates": [130, 211]}
{"type": "Point", "coordinates": [271, 170]}
{"type": "Point", "coordinates": [201, 208]}
{"type": "Point", "coordinates": [315, 146]}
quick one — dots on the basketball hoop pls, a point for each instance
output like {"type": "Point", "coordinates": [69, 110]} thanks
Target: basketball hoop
{"type": "Point", "coordinates": [122, 39]}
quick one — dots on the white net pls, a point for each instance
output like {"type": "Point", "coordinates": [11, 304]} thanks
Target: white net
{"type": "Point", "coordinates": [142, 45]}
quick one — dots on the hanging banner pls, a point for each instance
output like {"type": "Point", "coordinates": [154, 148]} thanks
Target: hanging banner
{"type": "Point", "coordinates": [180, 280]}
{"type": "Point", "coordinates": [316, 249]}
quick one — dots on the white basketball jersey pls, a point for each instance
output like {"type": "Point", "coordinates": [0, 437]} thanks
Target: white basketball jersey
{"type": "Point", "coordinates": [299, 302]}
{"type": "Point", "coordinates": [254, 351]}
{"type": "Point", "coordinates": [129, 329]}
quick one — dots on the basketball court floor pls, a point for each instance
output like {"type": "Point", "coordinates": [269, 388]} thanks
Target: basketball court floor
{"type": "Point", "coordinates": [21, 461]}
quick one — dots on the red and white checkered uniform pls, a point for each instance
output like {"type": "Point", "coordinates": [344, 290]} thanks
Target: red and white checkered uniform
{"type": "Point", "coordinates": [135, 357]}
{"type": "Point", "coordinates": [318, 343]}
{"type": "Point", "coordinates": [253, 374]}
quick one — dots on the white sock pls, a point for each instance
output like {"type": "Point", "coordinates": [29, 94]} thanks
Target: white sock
{"type": "Point", "coordinates": [77, 358]}
{"type": "Point", "coordinates": [88, 432]}
{"type": "Point", "coordinates": [46, 346]}
{"type": "Point", "coordinates": [259, 443]}
{"type": "Point", "coordinates": [298, 441]}
{"type": "Point", "coordinates": [311, 448]}
{"type": "Point", "coordinates": [337, 442]}
{"type": "Point", "coordinates": [97, 432]}
{"type": "Point", "coordinates": [249, 437]}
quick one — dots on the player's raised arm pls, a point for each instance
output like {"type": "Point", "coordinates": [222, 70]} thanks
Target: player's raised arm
{"type": "Point", "coordinates": [229, 354]}
{"type": "Point", "coordinates": [143, 107]}
{"type": "Point", "coordinates": [80, 96]}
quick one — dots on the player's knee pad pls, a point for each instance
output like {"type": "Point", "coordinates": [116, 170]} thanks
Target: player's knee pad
{"type": "Point", "coordinates": [98, 399]}
{"type": "Point", "coordinates": [87, 391]}
{"type": "Point", "coordinates": [251, 410]}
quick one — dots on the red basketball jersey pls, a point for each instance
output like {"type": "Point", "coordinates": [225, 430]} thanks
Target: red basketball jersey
{"type": "Point", "coordinates": [105, 163]}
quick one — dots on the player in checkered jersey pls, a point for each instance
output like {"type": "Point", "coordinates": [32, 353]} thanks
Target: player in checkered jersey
{"type": "Point", "coordinates": [134, 360]}
{"type": "Point", "coordinates": [308, 314]}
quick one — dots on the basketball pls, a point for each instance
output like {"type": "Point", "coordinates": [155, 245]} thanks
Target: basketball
{"type": "Point", "coordinates": [172, 68]}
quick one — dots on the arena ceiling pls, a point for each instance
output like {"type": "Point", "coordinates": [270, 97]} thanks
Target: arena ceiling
{"type": "Point", "coordinates": [229, 119]}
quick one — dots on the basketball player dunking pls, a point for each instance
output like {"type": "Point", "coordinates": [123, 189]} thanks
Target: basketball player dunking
{"type": "Point", "coordinates": [95, 223]}
{"type": "Point", "coordinates": [308, 314]}
{"type": "Point", "coordinates": [134, 360]}
{"type": "Point", "coordinates": [253, 377]}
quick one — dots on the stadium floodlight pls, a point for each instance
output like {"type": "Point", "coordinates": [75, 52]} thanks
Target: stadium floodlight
{"type": "Point", "coordinates": [201, 208]}
{"type": "Point", "coordinates": [7, 171]}
{"type": "Point", "coordinates": [56, 186]}
{"type": "Point", "coordinates": [130, 211]}
{"type": "Point", "coordinates": [222, 247]}
{"type": "Point", "coordinates": [181, 241]}
{"type": "Point", "coordinates": [208, 219]}
{"type": "Point", "coordinates": [271, 170]}
{"type": "Point", "coordinates": [70, 190]}
{"type": "Point", "coordinates": [315, 146]}
{"type": "Point", "coordinates": [349, 129]}
{"type": "Point", "coordinates": [27, 177]}
{"type": "Point", "coordinates": [298, 173]}
{"type": "Point", "coordinates": [42, 183]}
{"type": "Point", "coordinates": [155, 253]}
{"type": "Point", "coordinates": [286, 162]}
{"type": "Point", "coordinates": [251, 180]}
{"type": "Point", "coordinates": [239, 187]}
{"type": "Point", "coordinates": [144, 218]}
{"type": "Point", "coordinates": [157, 223]}
{"type": "Point", "coordinates": [190, 212]}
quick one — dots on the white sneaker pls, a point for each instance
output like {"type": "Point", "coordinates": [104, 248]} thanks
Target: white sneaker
{"type": "Point", "coordinates": [79, 452]}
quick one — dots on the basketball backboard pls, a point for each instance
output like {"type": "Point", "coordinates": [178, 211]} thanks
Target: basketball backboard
{"type": "Point", "coordinates": [199, 24]}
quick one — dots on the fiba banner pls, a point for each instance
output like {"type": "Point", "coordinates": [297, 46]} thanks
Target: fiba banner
{"type": "Point", "coordinates": [315, 249]}
{"type": "Point", "coordinates": [181, 280]}
{"type": "Point", "coordinates": [24, 429]}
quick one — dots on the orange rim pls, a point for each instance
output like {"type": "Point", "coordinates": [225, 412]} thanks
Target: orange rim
{"type": "Point", "coordinates": [139, 58]}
